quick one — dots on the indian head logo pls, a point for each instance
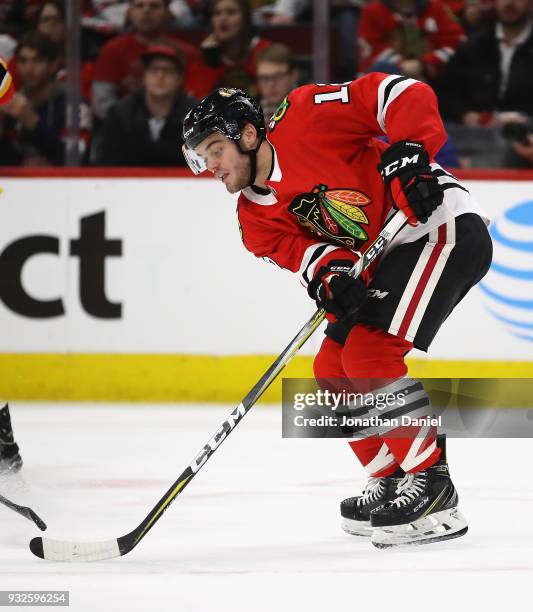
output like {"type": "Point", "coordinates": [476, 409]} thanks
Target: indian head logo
{"type": "Point", "coordinates": [334, 214]}
{"type": "Point", "coordinates": [279, 114]}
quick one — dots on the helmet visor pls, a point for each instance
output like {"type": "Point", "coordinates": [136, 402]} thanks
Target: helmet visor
{"type": "Point", "coordinates": [196, 162]}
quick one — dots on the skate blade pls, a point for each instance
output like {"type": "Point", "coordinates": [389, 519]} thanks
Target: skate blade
{"type": "Point", "coordinates": [437, 527]}
{"type": "Point", "coordinates": [357, 528]}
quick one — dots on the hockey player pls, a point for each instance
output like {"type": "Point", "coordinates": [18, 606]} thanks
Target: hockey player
{"type": "Point", "coordinates": [315, 188]}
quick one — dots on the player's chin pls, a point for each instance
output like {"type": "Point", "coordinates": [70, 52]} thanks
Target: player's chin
{"type": "Point", "coordinates": [233, 187]}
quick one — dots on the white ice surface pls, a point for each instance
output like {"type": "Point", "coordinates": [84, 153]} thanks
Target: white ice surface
{"type": "Point", "coordinates": [258, 528]}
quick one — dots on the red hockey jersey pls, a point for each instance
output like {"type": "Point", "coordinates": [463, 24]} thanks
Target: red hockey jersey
{"type": "Point", "coordinates": [325, 190]}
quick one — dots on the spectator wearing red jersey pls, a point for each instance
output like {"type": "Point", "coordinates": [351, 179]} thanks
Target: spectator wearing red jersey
{"type": "Point", "coordinates": [229, 53]}
{"type": "Point", "coordinates": [118, 69]}
{"type": "Point", "coordinates": [415, 38]}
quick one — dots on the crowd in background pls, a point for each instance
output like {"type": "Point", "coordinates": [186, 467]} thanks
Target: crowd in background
{"type": "Point", "coordinates": [145, 63]}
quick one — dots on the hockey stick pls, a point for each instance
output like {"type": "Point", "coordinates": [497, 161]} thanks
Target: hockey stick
{"type": "Point", "coordinates": [58, 550]}
{"type": "Point", "coordinates": [24, 511]}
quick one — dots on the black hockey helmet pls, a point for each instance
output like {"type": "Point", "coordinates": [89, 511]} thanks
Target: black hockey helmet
{"type": "Point", "coordinates": [226, 111]}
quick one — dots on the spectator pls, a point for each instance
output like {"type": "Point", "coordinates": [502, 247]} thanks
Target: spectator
{"type": "Point", "coordinates": [229, 53]}
{"type": "Point", "coordinates": [411, 37]}
{"type": "Point", "coordinates": [33, 122]}
{"type": "Point", "coordinates": [476, 14]}
{"type": "Point", "coordinates": [473, 14]}
{"type": "Point", "coordinates": [118, 70]}
{"type": "Point", "coordinates": [144, 128]}
{"type": "Point", "coordinates": [488, 81]}
{"type": "Point", "coordinates": [345, 15]}
{"type": "Point", "coordinates": [50, 21]}
{"type": "Point", "coordinates": [276, 77]}
{"type": "Point", "coordinates": [112, 15]}
{"type": "Point", "coordinates": [16, 14]}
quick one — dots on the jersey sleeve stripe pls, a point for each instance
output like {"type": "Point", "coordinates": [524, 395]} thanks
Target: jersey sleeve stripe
{"type": "Point", "coordinates": [310, 259]}
{"type": "Point", "coordinates": [389, 89]}
{"type": "Point", "coordinates": [446, 179]}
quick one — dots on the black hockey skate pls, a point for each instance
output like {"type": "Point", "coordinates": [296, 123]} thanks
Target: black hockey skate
{"type": "Point", "coordinates": [423, 511]}
{"type": "Point", "coordinates": [10, 459]}
{"type": "Point", "coordinates": [355, 511]}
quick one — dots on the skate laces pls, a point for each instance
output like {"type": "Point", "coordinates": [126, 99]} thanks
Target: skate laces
{"type": "Point", "coordinates": [373, 490]}
{"type": "Point", "coordinates": [409, 487]}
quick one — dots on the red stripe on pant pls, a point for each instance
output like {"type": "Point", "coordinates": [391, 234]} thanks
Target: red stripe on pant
{"type": "Point", "coordinates": [422, 283]}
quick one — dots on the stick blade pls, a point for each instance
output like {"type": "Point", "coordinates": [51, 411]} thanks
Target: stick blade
{"type": "Point", "coordinates": [58, 550]}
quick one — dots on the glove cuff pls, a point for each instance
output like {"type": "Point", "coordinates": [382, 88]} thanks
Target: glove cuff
{"type": "Point", "coordinates": [336, 255]}
{"type": "Point", "coordinates": [333, 265]}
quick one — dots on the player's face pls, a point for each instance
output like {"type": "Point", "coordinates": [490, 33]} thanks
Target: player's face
{"type": "Point", "coordinates": [274, 81]}
{"type": "Point", "coordinates": [161, 78]}
{"type": "Point", "coordinates": [34, 71]}
{"type": "Point", "coordinates": [227, 20]}
{"type": "Point", "coordinates": [148, 16]}
{"type": "Point", "coordinates": [225, 162]}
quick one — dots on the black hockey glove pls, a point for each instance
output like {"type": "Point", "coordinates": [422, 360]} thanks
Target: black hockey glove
{"type": "Point", "coordinates": [335, 290]}
{"type": "Point", "coordinates": [414, 188]}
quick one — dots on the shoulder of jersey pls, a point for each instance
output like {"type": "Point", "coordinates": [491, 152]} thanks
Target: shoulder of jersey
{"type": "Point", "coordinates": [303, 93]}
{"type": "Point", "coordinates": [291, 111]}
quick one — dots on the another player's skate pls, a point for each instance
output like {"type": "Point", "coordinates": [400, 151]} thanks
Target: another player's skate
{"type": "Point", "coordinates": [355, 511]}
{"type": "Point", "coordinates": [424, 510]}
{"type": "Point", "coordinates": [10, 459]}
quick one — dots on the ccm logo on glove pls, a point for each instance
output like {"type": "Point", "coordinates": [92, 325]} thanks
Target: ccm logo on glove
{"type": "Point", "coordinates": [398, 164]}
{"type": "Point", "coordinates": [413, 187]}
{"type": "Point", "coordinates": [335, 290]}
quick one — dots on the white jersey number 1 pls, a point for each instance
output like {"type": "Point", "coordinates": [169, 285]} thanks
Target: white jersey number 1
{"type": "Point", "coordinates": [342, 95]}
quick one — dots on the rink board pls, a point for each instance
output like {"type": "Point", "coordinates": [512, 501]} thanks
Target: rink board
{"type": "Point", "coordinates": [120, 287]}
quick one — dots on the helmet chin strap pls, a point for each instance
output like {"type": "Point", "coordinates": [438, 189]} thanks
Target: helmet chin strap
{"type": "Point", "coordinates": [252, 154]}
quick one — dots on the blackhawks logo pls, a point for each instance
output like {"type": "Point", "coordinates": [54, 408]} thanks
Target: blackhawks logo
{"type": "Point", "coordinates": [334, 214]}
{"type": "Point", "coordinates": [279, 114]}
